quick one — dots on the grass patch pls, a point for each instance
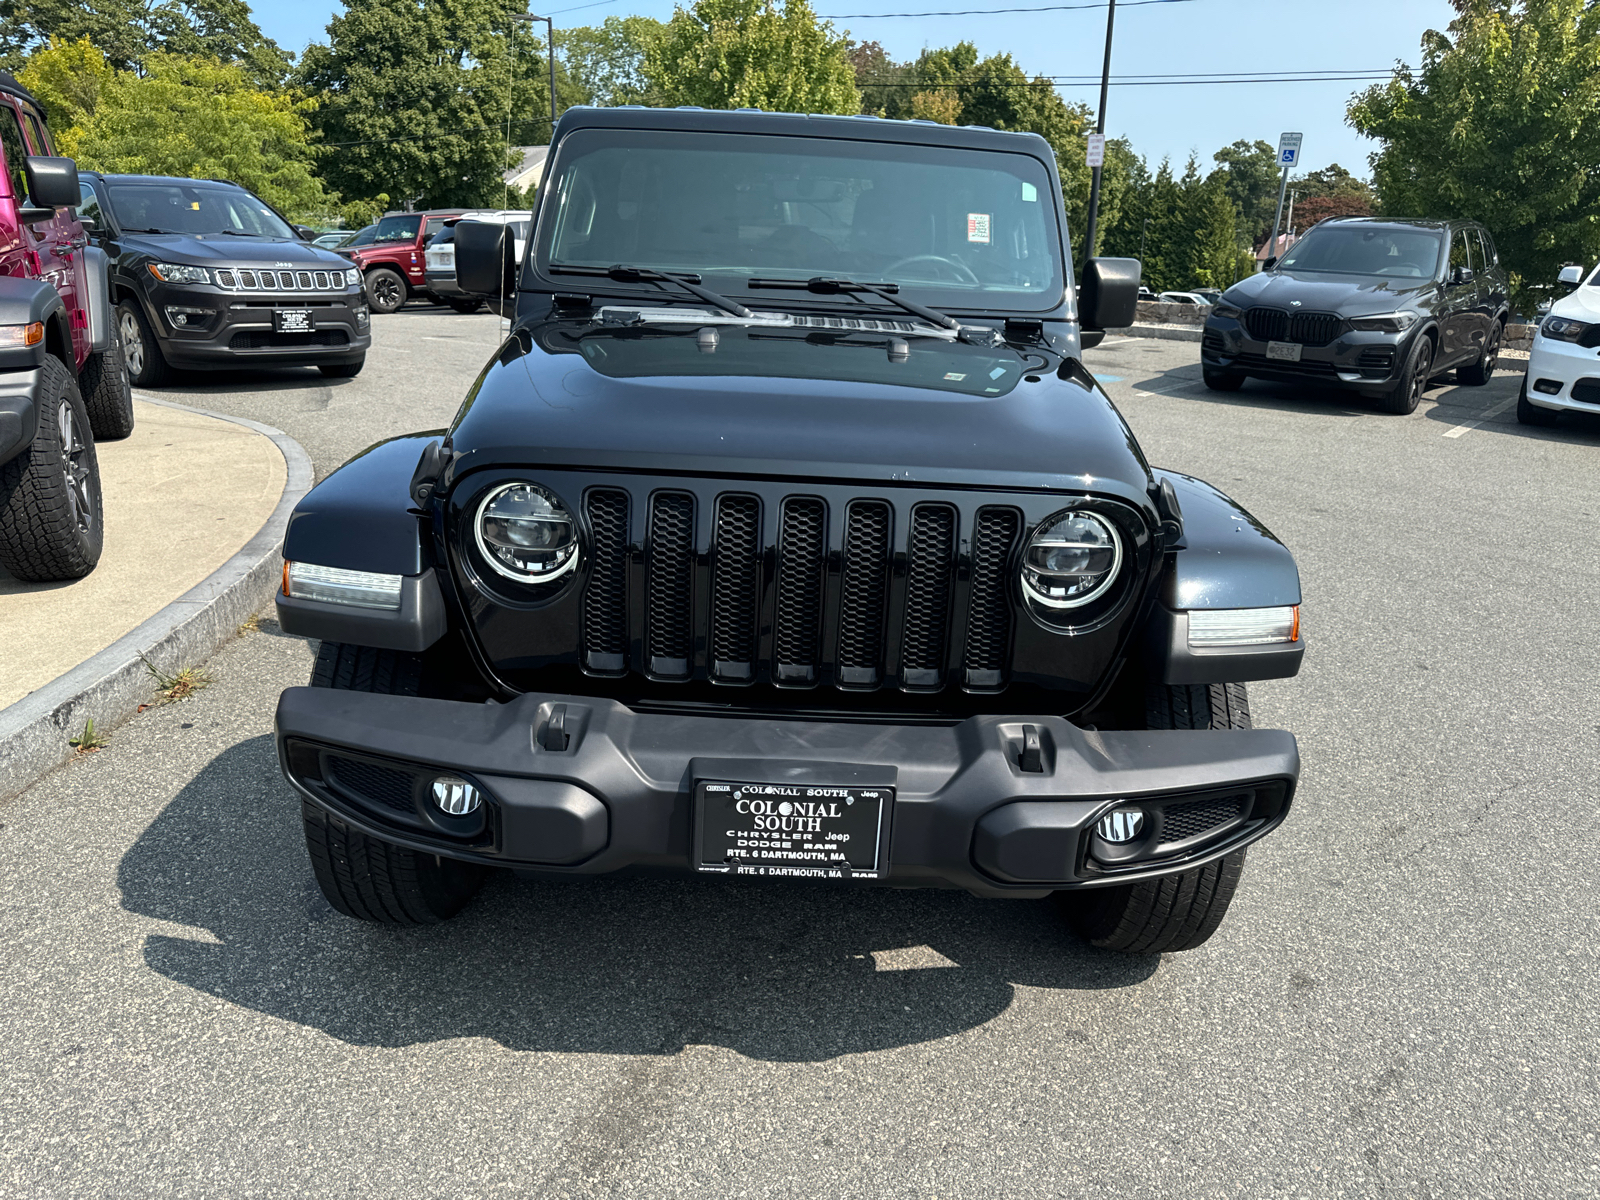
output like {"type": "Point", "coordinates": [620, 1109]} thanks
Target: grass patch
{"type": "Point", "coordinates": [89, 740]}
{"type": "Point", "coordinates": [180, 686]}
{"type": "Point", "coordinates": [251, 624]}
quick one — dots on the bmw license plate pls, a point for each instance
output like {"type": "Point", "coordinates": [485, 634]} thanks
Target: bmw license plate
{"type": "Point", "coordinates": [292, 320]}
{"type": "Point", "coordinates": [1284, 351]}
{"type": "Point", "coordinates": [783, 829]}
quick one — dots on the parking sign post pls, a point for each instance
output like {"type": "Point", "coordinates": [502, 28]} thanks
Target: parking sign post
{"type": "Point", "coordinates": [1288, 156]}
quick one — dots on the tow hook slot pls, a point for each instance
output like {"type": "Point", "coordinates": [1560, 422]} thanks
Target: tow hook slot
{"type": "Point", "coordinates": [1029, 748]}
{"type": "Point", "coordinates": [554, 736]}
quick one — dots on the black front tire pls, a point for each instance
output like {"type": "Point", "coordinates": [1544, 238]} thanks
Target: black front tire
{"type": "Point", "coordinates": [366, 877]}
{"type": "Point", "coordinates": [147, 366]}
{"type": "Point", "coordinates": [1221, 381]}
{"type": "Point", "coordinates": [1176, 912]}
{"type": "Point", "coordinates": [1529, 413]}
{"type": "Point", "coordinates": [343, 370]}
{"type": "Point", "coordinates": [107, 392]}
{"type": "Point", "coordinates": [51, 510]}
{"type": "Point", "coordinates": [1407, 392]}
{"type": "Point", "coordinates": [386, 290]}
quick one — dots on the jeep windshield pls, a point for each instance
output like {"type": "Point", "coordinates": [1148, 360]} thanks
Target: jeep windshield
{"type": "Point", "coordinates": [402, 228]}
{"type": "Point", "coordinates": [948, 225]}
{"type": "Point", "coordinates": [1367, 250]}
{"type": "Point", "coordinates": [193, 208]}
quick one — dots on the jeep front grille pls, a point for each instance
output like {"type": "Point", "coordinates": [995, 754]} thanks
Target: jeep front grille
{"type": "Point", "coordinates": [799, 590]}
{"type": "Point", "coordinates": [255, 279]}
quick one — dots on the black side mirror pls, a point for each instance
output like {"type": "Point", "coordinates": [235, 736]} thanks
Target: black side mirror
{"type": "Point", "coordinates": [52, 182]}
{"type": "Point", "coordinates": [1266, 263]}
{"type": "Point", "coordinates": [305, 233]}
{"type": "Point", "coordinates": [1461, 275]}
{"type": "Point", "coordinates": [1108, 294]}
{"type": "Point", "coordinates": [484, 265]}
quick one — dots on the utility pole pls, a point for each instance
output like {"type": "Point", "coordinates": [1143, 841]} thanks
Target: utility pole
{"type": "Point", "coordinates": [550, 45]}
{"type": "Point", "coordinates": [1288, 156]}
{"type": "Point", "coordinates": [1100, 128]}
{"type": "Point", "coordinates": [1288, 221]}
{"type": "Point", "coordinates": [1143, 229]}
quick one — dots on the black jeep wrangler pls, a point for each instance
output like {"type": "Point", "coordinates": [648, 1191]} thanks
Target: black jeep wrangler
{"type": "Point", "coordinates": [788, 536]}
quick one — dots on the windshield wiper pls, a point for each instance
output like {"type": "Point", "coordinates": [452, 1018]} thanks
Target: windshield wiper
{"type": "Point", "coordinates": [242, 233]}
{"type": "Point", "coordinates": [131, 229]}
{"type": "Point", "coordinates": [688, 282]}
{"type": "Point", "coordinates": [823, 285]}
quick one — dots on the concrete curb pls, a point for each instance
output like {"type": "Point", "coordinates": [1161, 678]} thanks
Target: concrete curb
{"type": "Point", "coordinates": [1170, 333]}
{"type": "Point", "coordinates": [111, 685]}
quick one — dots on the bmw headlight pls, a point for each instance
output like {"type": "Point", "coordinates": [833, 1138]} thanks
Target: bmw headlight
{"type": "Point", "coordinates": [1223, 309]}
{"type": "Point", "coordinates": [179, 273]}
{"type": "Point", "coordinates": [352, 277]}
{"type": "Point", "coordinates": [526, 534]}
{"type": "Point", "coordinates": [1562, 329]}
{"type": "Point", "coordinates": [1395, 322]}
{"type": "Point", "coordinates": [1071, 559]}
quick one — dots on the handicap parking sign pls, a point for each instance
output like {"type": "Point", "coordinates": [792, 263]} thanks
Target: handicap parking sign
{"type": "Point", "coordinates": [1289, 149]}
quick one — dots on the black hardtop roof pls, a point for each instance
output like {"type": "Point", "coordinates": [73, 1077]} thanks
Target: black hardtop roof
{"type": "Point", "coordinates": [9, 85]}
{"type": "Point", "coordinates": [121, 178]}
{"type": "Point", "coordinates": [820, 125]}
{"type": "Point", "coordinates": [1396, 222]}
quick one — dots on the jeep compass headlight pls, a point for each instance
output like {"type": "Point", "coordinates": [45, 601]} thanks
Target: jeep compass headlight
{"type": "Point", "coordinates": [1562, 329]}
{"type": "Point", "coordinates": [1071, 559]}
{"type": "Point", "coordinates": [526, 534]}
{"type": "Point", "coordinates": [179, 273]}
{"type": "Point", "coordinates": [1395, 322]}
{"type": "Point", "coordinates": [352, 277]}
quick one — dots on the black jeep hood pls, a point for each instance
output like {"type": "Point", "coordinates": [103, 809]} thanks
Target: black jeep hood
{"type": "Point", "coordinates": [542, 402]}
{"type": "Point", "coordinates": [223, 249]}
{"type": "Point", "coordinates": [1328, 291]}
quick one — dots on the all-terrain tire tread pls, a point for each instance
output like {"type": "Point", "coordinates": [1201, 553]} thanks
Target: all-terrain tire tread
{"type": "Point", "coordinates": [39, 540]}
{"type": "Point", "coordinates": [107, 393]}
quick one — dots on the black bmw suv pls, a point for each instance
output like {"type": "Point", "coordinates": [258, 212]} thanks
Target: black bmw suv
{"type": "Point", "coordinates": [207, 274]}
{"type": "Point", "coordinates": [1376, 306]}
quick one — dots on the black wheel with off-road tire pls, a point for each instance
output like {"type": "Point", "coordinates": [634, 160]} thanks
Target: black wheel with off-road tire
{"type": "Point", "coordinates": [386, 290]}
{"type": "Point", "coordinates": [1176, 912]}
{"type": "Point", "coordinates": [1479, 373]}
{"type": "Point", "coordinates": [51, 510]}
{"type": "Point", "coordinates": [1221, 381]}
{"type": "Point", "coordinates": [1407, 392]}
{"type": "Point", "coordinates": [147, 366]}
{"type": "Point", "coordinates": [1529, 413]}
{"type": "Point", "coordinates": [107, 391]}
{"type": "Point", "coordinates": [366, 877]}
{"type": "Point", "coordinates": [342, 370]}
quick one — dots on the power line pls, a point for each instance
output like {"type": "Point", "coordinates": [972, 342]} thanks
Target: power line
{"type": "Point", "coordinates": [1178, 82]}
{"type": "Point", "coordinates": [983, 12]}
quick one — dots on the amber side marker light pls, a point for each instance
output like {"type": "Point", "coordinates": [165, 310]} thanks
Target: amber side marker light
{"type": "Point", "coordinates": [1244, 626]}
{"type": "Point", "coordinates": [14, 336]}
{"type": "Point", "coordinates": [335, 585]}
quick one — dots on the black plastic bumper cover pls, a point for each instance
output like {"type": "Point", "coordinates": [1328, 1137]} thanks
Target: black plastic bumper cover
{"type": "Point", "coordinates": [619, 794]}
{"type": "Point", "coordinates": [19, 407]}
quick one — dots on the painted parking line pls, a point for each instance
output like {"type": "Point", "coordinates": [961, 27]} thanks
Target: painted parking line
{"type": "Point", "coordinates": [1109, 378]}
{"type": "Point", "coordinates": [1467, 426]}
{"type": "Point", "coordinates": [1113, 342]}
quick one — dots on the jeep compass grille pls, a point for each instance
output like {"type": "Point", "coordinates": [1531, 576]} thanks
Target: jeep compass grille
{"type": "Point", "coordinates": [253, 279]}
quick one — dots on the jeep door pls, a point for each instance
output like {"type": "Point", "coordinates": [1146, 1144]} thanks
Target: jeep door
{"type": "Point", "coordinates": [1460, 323]}
{"type": "Point", "coordinates": [14, 241]}
{"type": "Point", "coordinates": [59, 243]}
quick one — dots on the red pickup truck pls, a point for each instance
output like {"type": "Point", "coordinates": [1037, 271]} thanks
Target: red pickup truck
{"type": "Point", "coordinates": [392, 262]}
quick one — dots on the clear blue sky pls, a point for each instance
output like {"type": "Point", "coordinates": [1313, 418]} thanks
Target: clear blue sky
{"type": "Point", "coordinates": [1187, 37]}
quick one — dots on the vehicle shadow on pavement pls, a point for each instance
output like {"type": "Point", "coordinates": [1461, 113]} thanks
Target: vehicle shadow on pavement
{"type": "Point", "coordinates": [1184, 383]}
{"type": "Point", "coordinates": [183, 385]}
{"type": "Point", "coordinates": [609, 966]}
{"type": "Point", "coordinates": [1576, 427]}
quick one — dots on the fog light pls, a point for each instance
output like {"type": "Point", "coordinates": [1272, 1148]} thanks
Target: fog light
{"type": "Point", "coordinates": [335, 585]}
{"type": "Point", "coordinates": [1120, 826]}
{"type": "Point", "coordinates": [186, 318]}
{"type": "Point", "coordinates": [1548, 386]}
{"type": "Point", "coordinates": [456, 796]}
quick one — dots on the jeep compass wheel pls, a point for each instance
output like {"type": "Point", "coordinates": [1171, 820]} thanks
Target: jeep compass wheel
{"type": "Point", "coordinates": [147, 366]}
{"type": "Point", "coordinates": [386, 291]}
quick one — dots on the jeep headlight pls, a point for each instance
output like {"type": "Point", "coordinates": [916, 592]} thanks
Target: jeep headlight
{"type": "Point", "coordinates": [179, 273]}
{"type": "Point", "coordinates": [1071, 559]}
{"type": "Point", "coordinates": [352, 277]}
{"type": "Point", "coordinates": [526, 534]}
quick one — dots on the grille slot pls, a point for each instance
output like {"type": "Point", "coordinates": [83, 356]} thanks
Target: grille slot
{"type": "Point", "coordinates": [931, 559]}
{"type": "Point", "coordinates": [671, 572]}
{"type": "Point", "coordinates": [864, 582]}
{"type": "Point", "coordinates": [1180, 822]}
{"type": "Point", "coordinates": [605, 601]}
{"type": "Point", "coordinates": [1377, 359]}
{"type": "Point", "coordinates": [802, 540]}
{"type": "Point", "coordinates": [267, 339]}
{"type": "Point", "coordinates": [374, 784]}
{"type": "Point", "coordinates": [989, 619]}
{"type": "Point", "coordinates": [1314, 328]}
{"type": "Point", "coordinates": [737, 545]}
{"type": "Point", "coordinates": [1266, 324]}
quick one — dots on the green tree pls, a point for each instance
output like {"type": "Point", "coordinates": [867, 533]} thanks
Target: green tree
{"type": "Point", "coordinates": [1215, 220]}
{"type": "Point", "coordinates": [68, 78]}
{"type": "Point", "coordinates": [127, 32]}
{"type": "Point", "coordinates": [190, 117]}
{"type": "Point", "coordinates": [1248, 172]}
{"type": "Point", "coordinates": [751, 54]}
{"type": "Point", "coordinates": [606, 62]}
{"type": "Point", "coordinates": [1499, 124]}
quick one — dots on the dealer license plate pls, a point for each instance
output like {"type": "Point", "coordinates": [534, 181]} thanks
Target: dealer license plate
{"type": "Point", "coordinates": [787, 830]}
{"type": "Point", "coordinates": [1284, 351]}
{"type": "Point", "coordinates": [292, 320]}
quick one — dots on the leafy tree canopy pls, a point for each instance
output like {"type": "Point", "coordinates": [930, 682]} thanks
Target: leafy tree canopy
{"type": "Point", "coordinates": [1499, 124]}
{"type": "Point", "coordinates": [751, 54]}
{"type": "Point", "coordinates": [128, 32]}
{"type": "Point", "coordinates": [607, 62]}
{"type": "Point", "coordinates": [1248, 172]}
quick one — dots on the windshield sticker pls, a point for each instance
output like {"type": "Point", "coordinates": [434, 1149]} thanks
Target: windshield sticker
{"type": "Point", "coordinates": [978, 227]}
{"type": "Point", "coordinates": [997, 372]}
{"type": "Point", "coordinates": [1030, 194]}
{"type": "Point", "coordinates": [955, 376]}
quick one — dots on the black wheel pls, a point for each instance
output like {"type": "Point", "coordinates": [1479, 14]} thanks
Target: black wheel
{"type": "Point", "coordinates": [1529, 413]}
{"type": "Point", "coordinates": [1221, 381]}
{"type": "Point", "coordinates": [465, 307]}
{"type": "Point", "coordinates": [365, 877]}
{"type": "Point", "coordinates": [1407, 392]}
{"type": "Point", "coordinates": [1480, 372]}
{"type": "Point", "coordinates": [386, 291]}
{"type": "Point", "coordinates": [1177, 912]}
{"type": "Point", "coordinates": [147, 366]}
{"type": "Point", "coordinates": [51, 512]}
{"type": "Point", "coordinates": [343, 370]}
{"type": "Point", "coordinates": [107, 392]}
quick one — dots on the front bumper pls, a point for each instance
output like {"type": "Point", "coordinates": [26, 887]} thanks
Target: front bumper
{"type": "Point", "coordinates": [1356, 360]}
{"type": "Point", "coordinates": [1573, 372]}
{"type": "Point", "coordinates": [19, 408]}
{"type": "Point", "coordinates": [443, 283]}
{"type": "Point", "coordinates": [239, 330]}
{"type": "Point", "coordinates": [619, 793]}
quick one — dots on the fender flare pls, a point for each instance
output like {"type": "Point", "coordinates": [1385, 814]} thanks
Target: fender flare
{"type": "Point", "coordinates": [30, 301]}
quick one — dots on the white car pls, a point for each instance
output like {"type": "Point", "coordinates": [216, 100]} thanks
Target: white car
{"type": "Point", "coordinates": [1563, 370]}
{"type": "Point", "coordinates": [1183, 298]}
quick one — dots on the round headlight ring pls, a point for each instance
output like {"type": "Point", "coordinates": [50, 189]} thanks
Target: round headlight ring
{"type": "Point", "coordinates": [540, 506]}
{"type": "Point", "coordinates": [1093, 526]}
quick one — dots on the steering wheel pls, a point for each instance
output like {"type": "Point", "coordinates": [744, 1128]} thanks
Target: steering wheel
{"type": "Point", "coordinates": [962, 272]}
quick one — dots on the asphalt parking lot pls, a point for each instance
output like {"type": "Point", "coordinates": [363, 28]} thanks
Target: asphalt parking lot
{"type": "Point", "coordinates": [1401, 1002]}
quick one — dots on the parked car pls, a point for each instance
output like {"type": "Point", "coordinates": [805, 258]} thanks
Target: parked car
{"type": "Point", "coordinates": [332, 241]}
{"type": "Point", "coordinates": [361, 237]}
{"type": "Point", "coordinates": [206, 274]}
{"type": "Point", "coordinates": [1191, 298]}
{"type": "Point", "coordinates": [62, 380]}
{"type": "Point", "coordinates": [774, 573]}
{"type": "Point", "coordinates": [1145, 293]}
{"type": "Point", "coordinates": [1563, 371]}
{"type": "Point", "coordinates": [1208, 295]}
{"type": "Point", "coordinates": [439, 259]}
{"type": "Point", "coordinates": [1373, 305]}
{"type": "Point", "coordinates": [391, 262]}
